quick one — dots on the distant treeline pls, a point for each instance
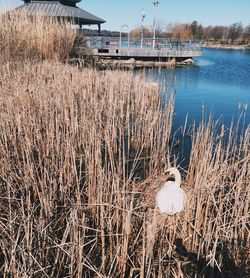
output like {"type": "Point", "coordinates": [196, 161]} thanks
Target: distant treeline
{"type": "Point", "coordinates": [233, 34]}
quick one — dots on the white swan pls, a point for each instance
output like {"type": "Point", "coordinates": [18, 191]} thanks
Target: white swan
{"type": "Point", "coordinates": [171, 198]}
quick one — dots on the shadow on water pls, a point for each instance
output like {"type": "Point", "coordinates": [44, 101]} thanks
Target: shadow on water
{"type": "Point", "coordinates": [181, 150]}
{"type": "Point", "coordinates": [197, 266]}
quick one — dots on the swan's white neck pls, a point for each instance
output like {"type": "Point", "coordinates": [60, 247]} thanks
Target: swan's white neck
{"type": "Point", "coordinates": [177, 177]}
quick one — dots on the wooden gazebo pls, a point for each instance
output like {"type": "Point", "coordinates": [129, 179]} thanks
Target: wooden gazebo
{"type": "Point", "coordinates": [62, 9]}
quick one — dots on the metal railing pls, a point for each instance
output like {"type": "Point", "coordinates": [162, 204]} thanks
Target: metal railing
{"type": "Point", "coordinates": [126, 42]}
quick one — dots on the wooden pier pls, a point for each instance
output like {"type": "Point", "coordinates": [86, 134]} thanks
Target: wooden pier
{"type": "Point", "coordinates": [163, 50]}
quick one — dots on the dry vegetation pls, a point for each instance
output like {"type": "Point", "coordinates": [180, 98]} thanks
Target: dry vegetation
{"type": "Point", "coordinates": [37, 38]}
{"type": "Point", "coordinates": [81, 155]}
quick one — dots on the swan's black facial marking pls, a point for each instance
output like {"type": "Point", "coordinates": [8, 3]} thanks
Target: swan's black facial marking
{"type": "Point", "coordinates": [169, 176]}
{"type": "Point", "coordinates": [171, 179]}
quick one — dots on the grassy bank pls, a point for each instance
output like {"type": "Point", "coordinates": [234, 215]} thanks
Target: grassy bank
{"type": "Point", "coordinates": [82, 154]}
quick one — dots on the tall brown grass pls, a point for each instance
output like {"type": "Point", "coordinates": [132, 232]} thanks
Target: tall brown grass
{"type": "Point", "coordinates": [34, 38]}
{"type": "Point", "coordinates": [82, 154]}
{"type": "Point", "coordinates": [72, 143]}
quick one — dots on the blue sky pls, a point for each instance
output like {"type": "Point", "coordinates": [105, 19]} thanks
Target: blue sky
{"type": "Point", "coordinates": [207, 12]}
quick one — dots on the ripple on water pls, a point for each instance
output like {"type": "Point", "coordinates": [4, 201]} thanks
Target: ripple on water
{"type": "Point", "coordinates": [203, 62]}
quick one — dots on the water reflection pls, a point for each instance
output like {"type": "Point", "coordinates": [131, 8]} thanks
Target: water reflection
{"type": "Point", "coordinates": [219, 84]}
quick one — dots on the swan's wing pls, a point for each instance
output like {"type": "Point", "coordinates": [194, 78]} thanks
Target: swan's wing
{"type": "Point", "coordinates": [180, 200]}
{"type": "Point", "coordinates": [165, 201]}
{"type": "Point", "coordinates": [170, 201]}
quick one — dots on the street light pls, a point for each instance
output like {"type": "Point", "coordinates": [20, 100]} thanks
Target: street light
{"type": "Point", "coordinates": [121, 35]}
{"type": "Point", "coordinates": [155, 3]}
{"type": "Point", "coordinates": [143, 15]}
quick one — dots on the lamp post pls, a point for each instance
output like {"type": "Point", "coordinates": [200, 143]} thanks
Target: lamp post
{"type": "Point", "coordinates": [155, 3]}
{"type": "Point", "coordinates": [120, 43]}
{"type": "Point", "coordinates": [143, 15]}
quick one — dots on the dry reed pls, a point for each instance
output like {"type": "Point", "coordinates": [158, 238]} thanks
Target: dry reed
{"type": "Point", "coordinates": [34, 38]}
{"type": "Point", "coordinates": [81, 153]}
{"type": "Point", "coordinates": [73, 143]}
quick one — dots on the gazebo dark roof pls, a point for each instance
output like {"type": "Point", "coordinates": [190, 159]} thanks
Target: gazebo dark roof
{"type": "Point", "coordinates": [61, 9]}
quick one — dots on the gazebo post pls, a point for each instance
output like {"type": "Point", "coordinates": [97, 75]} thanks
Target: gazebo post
{"type": "Point", "coordinates": [99, 29]}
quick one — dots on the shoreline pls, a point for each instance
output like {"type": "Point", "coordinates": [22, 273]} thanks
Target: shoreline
{"type": "Point", "coordinates": [243, 47]}
{"type": "Point", "coordinates": [138, 64]}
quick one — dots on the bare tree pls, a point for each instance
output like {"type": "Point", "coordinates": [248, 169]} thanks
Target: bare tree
{"type": "Point", "coordinates": [136, 32]}
{"type": "Point", "coordinates": [246, 34]}
{"type": "Point", "coordinates": [235, 32]}
{"type": "Point", "coordinates": [160, 27]}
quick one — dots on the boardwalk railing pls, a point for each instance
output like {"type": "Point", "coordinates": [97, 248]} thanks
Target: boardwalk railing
{"type": "Point", "coordinates": [160, 43]}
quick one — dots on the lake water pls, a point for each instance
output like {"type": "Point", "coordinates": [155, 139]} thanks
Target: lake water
{"type": "Point", "coordinates": [220, 81]}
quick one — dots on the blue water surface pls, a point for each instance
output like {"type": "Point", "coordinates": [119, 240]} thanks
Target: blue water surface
{"type": "Point", "coordinates": [220, 81]}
